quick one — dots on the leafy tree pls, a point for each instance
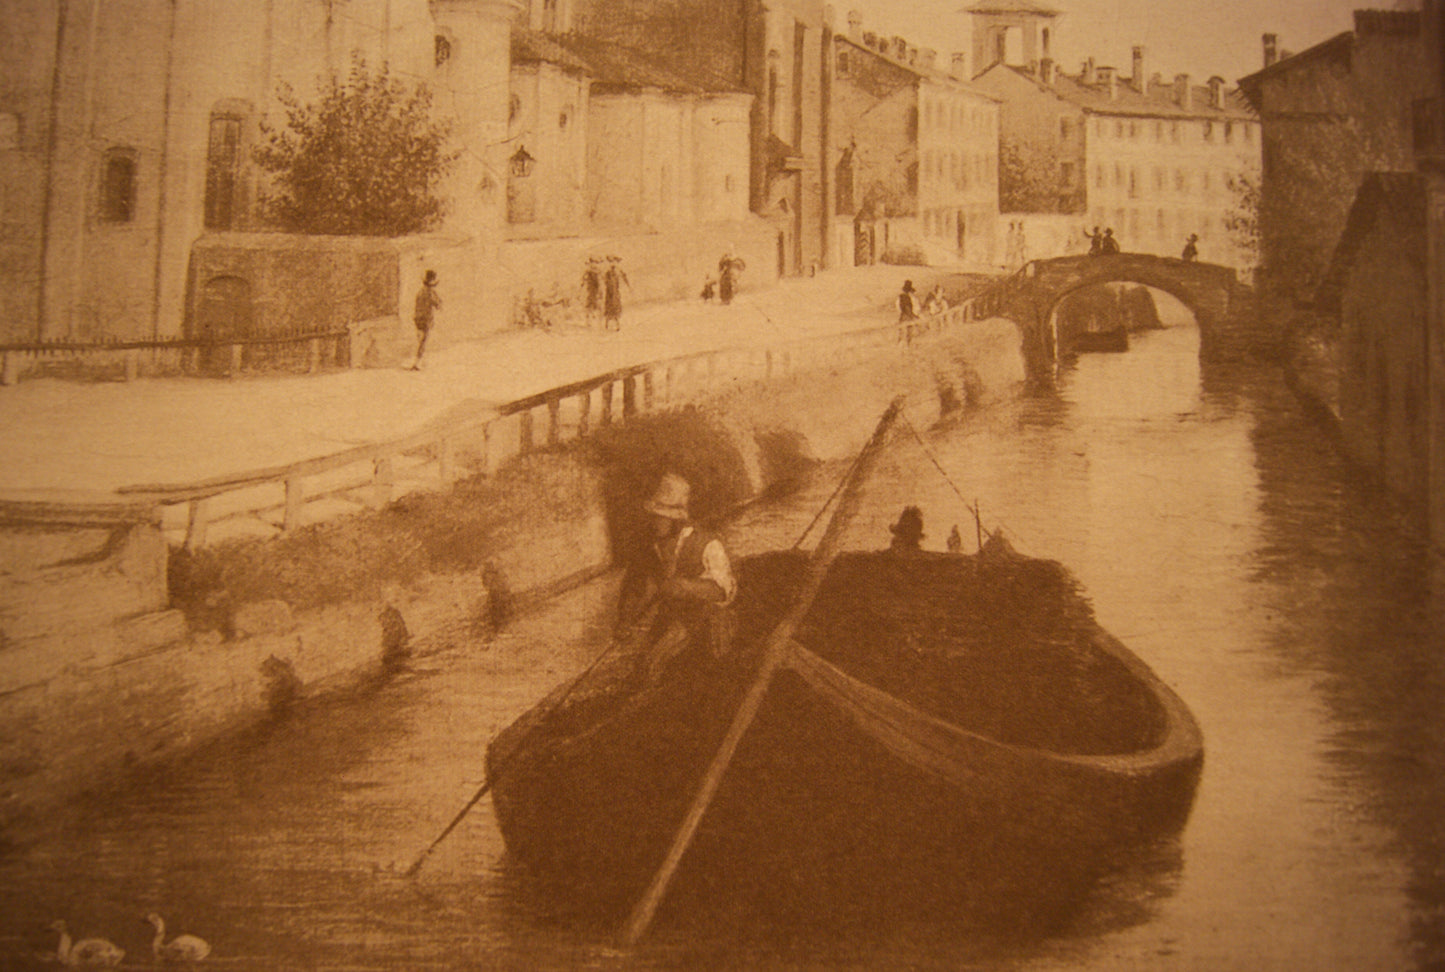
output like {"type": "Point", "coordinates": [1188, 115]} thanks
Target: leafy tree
{"type": "Point", "coordinates": [1028, 181]}
{"type": "Point", "coordinates": [365, 159]}
{"type": "Point", "coordinates": [1241, 219]}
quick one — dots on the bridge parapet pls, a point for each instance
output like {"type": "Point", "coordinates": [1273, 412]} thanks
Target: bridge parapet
{"type": "Point", "coordinates": [1222, 305]}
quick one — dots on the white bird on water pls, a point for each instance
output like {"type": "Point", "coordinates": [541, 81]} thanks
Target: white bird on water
{"type": "Point", "coordinates": [88, 953]}
{"type": "Point", "coordinates": [182, 948]}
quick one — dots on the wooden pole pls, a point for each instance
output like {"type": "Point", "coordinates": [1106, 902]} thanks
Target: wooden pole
{"type": "Point", "coordinates": [774, 654]}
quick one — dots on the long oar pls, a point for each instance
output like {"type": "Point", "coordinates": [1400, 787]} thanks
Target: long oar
{"type": "Point", "coordinates": [634, 631]}
{"type": "Point", "coordinates": [774, 653]}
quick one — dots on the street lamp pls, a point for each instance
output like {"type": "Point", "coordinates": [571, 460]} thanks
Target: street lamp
{"type": "Point", "coordinates": [522, 163]}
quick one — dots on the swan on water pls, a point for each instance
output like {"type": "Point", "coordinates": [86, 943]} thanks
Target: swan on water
{"type": "Point", "coordinates": [182, 948]}
{"type": "Point", "coordinates": [88, 953]}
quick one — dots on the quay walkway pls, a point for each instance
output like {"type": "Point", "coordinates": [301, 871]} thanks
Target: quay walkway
{"type": "Point", "coordinates": [269, 453]}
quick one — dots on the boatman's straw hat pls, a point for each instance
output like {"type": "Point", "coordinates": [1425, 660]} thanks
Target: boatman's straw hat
{"type": "Point", "coordinates": [671, 498]}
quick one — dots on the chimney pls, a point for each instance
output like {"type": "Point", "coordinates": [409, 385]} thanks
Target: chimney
{"type": "Point", "coordinates": [1141, 83]}
{"type": "Point", "coordinates": [959, 66]}
{"type": "Point", "coordinates": [927, 58]}
{"type": "Point", "coordinates": [913, 56]}
{"type": "Point", "coordinates": [1216, 92]}
{"type": "Point", "coordinates": [1271, 49]}
{"type": "Point", "coordinates": [900, 49]}
{"type": "Point", "coordinates": [1109, 78]}
{"type": "Point", "coordinates": [855, 24]}
{"type": "Point", "coordinates": [1086, 76]}
{"type": "Point", "coordinates": [1183, 91]}
{"type": "Point", "coordinates": [870, 40]}
{"type": "Point", "coordinates": [1046, 71]}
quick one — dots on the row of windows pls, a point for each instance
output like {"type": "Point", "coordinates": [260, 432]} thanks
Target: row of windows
{"type": "Point", "coordinates": [958, 171]}
{"type": "Point", "coordinates": [1182, 181]}
{"type": "Point", "coordinates": [1161, 225]}
{"type": "Point", "coordinates": [956, 118]}
{"type": "Point", "coordinates": [1175, 131]}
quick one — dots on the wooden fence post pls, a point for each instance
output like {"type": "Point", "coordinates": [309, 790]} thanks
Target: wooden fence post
{"type": "Point", "coordinates": [524, 425]}
{"type": "Point", "coordinates": [584, 413]}
{"type": "Point", "coordinates": [313, 355]}
{"type": "Point", "coordinates": [199, 516]}
{"type": "Point", "coordinates": [9, 367]}
{"type": "Point", "coordinates": [235, 360]}
{"type": "Point", "coordinates": [295, 499]}
{"type": "Point", "coordinates": [446, 461]}
{"type": "Point", "coordinates": [382, 480]}
{"type": "Point", "coordinates": [554, 421]}
{"type": "Point", "coordinates": [629, 396]}
{"type": "Point", "coordinates": [648, 392]}
{"type": "Point", "coordinates": [605, 419]}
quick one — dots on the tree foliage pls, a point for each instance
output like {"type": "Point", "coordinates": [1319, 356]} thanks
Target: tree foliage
{"type": "Point", "coordinates": [1029, 182]}
{"type": "Point", "coordinates": [364, 159]}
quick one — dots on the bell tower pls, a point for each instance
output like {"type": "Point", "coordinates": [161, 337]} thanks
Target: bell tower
{"type": "Point", "coordinates": [993, 20]}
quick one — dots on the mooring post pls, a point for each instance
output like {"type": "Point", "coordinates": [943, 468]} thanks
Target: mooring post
{"type": "Point", "coordinates": [554, 421]}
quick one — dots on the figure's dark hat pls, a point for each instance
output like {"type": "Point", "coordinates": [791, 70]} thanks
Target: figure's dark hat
{"type": "Point", "coordinates": [908, 285]}
{"type": "Point", "coordinates": [430, 277]}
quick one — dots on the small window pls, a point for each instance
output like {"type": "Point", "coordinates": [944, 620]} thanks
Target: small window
{"type": "Point", "coordinates": [1209, 131]}
{"type": "Point", "coordinates": [1228, 133]}
{"type": "Point", "coordinates": [564, 118]}
{"type": "Point", "coordinates": [1248, 132]}
{"type": "Point", "coordinates": [1065, 129]}
{"type": "Point", "coordinates": [1133, 129]}
{"type": "Point", "coordinates": [514, 107]}
{"type": "Point", "coordinates": [117, 187]}
{"type": "Point", "coordinates": [843, 64]}
{"type": "Point", "coordinates": [1066, 174]}
{"type": "Point", "coordinates": [1119, 129]}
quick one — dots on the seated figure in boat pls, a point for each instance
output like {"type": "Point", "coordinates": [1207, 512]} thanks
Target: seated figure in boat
{"type": "Point", "coordinates": [907, 532]}
{"type": "Point", "coordinates": [688, 574]}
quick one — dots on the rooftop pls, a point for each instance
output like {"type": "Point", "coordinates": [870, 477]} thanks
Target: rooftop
{"type": "Point", "coordinates": [1160, 101]}
{"type": "Point", "coordinates": [1010, 6]}
{"type": "Point", "coordinates": [609, 65]}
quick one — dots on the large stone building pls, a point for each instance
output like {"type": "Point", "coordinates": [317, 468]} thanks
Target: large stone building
{"type": "Point", "coordinates": [917, 162]}
{"type": "Point", "coordinates": [780, 51]}
{"type": "Point", "coordinates": [129, 201]}
{"type": "Point", "coordinates": [1329, 115]}
{"type": "Point", "coordinates": [1155, 161]}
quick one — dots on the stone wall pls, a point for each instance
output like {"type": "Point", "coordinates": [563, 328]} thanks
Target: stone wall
{"type": "Point", "coordinates": [83, 703]}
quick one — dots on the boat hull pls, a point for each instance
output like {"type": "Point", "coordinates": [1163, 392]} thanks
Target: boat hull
{"type": "Point", "coordinates": [843, 801]}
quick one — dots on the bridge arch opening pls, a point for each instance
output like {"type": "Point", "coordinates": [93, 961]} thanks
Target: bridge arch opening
{"type": "Point", "coordinates": [1110, 316]}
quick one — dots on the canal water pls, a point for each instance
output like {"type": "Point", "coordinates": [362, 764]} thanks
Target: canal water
{"type": "Point", "coordinates": [1216, 533]}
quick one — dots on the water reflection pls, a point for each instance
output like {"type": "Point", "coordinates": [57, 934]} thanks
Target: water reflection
{"type": "Point", "coordinates": [1216, 534]}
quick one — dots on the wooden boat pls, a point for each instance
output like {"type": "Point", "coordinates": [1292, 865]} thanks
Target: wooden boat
{"type": "Point", "coordinates": [943, 734]}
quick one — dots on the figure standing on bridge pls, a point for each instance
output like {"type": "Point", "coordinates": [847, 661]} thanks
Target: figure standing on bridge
{"type": "Point", "coordinates": [907, 532]}
{"type": "Point", "coordinates": [1191, 251]}
{"type": "Point", "coordinates": [1109, 246]}
{"type": "Point", "coordinates": [1096, 242]}
{"type": "Point", "coordinates": [591, 291]}
{"type": "Point", "coordinates": [612, 282]}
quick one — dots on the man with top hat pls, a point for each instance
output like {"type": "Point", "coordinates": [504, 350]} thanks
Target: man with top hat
{"type": "Point", "coordinates": [687, 574]}
{"type": "Point", "coordinates": [1191, 249]}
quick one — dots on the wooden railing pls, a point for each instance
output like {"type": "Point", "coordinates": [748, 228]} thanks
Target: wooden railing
{"type": "Point", "coordinates": [195, 354]}
{"type": "Point", "coordinates": [370, 475]}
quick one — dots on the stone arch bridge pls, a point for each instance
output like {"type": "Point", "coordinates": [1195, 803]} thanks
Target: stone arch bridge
{"type": "Point", "coordinates": [1224, 308]}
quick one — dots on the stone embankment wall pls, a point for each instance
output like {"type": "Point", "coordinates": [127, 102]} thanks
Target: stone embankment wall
{"type": "Point", "coordinates": [99, 674]}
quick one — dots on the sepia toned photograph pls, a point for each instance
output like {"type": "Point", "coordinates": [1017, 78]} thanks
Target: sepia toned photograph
{"type": "Point", "coordinates": [722, 485]}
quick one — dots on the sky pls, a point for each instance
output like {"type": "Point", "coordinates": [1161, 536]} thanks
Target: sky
{"type": "Point", "coordinates": [1197, 37]}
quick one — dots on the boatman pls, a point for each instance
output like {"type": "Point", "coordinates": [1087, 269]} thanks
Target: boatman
{"type": "Point", "coordinates": [687, 574]}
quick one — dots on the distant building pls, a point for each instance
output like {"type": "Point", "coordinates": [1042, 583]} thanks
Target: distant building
{"type": "Point", "coordinates": [917, 159]}
{"type": "Point", "coordinates": [1330, 114]}
{"type": "Point", "coordinates": [1156, 162]}
{"type": "Point", "coordinates": [779, 51]}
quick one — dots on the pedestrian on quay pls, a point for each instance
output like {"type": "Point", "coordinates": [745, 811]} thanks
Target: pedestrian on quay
{"type": "Point", "coordinates": [591, 291]}
{"type": "Point", "coordinates": [612, 283]}
{"type": "Point", "coordinates": [935, 302]}
{"type": "Point", "coordinates": [1109, 246]}
{"type": "Point", "coordinates": [709, 290]}
{"type": "Point", "coordinates": [907, 303]}
{"type": "Point", "coordinates": [428, 302]}
{"type": "Point", "coordinates": [686, 573]}
{"type": "Point", "coordinates": [1191, 249]}
{"type": "Point", "coordinates": [728, 269]}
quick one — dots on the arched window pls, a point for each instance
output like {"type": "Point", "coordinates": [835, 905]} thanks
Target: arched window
{"type": "Point", "coordinates": [117, 186]}
{"type": "Point", "coordinates": [223, 163]}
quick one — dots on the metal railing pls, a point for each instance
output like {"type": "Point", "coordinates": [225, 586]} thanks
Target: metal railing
{"type": "Point", "coordinates": [370, 475]}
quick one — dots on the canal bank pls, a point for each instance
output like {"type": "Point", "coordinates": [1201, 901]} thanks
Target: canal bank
{"type": "Point", "coordinates": [248, 629]}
